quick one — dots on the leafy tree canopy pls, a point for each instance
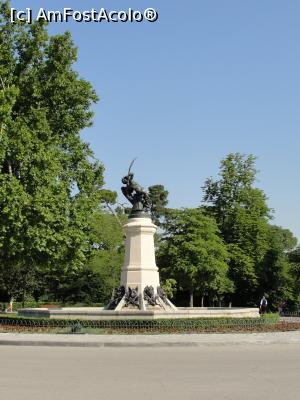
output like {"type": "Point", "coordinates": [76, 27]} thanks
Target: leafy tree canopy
{"type": "Point", "coordinates": [159, 200]}
{"type": "Point", "coordinates": [49, 181]}
{"type": "Point", "coordinates": [242, 215]}
{"type": "Point", "coordinates": [275, 270]}
{"type": "Point", "coordinates": [192, 252]}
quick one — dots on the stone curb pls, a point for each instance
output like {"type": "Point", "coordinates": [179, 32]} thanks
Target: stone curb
{"type": "Point", "coordinates": [187, 340]}
{"type": "Point", "coordinates": [96, 344]}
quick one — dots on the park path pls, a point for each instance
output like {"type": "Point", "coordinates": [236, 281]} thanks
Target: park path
{"type": "Point", "coordinates": [88, 340]}
{"type": "Point", "coordinates": [230, 372]}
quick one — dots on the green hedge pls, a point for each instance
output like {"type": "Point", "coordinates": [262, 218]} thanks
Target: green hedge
{"type": "Point", "coordinates": [173, 324]}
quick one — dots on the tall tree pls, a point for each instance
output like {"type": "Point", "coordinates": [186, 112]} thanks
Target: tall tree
{"type": "Point", "coordinates": [241, 213]}
{"type": "Point", "coordinates": [49, 182]}
{"type": "Point", "coordinates": [294, 259]}
{"type": "Point", "coordinates": [108, 241]}
{"type": "Point", "coordinates": [95, 281]}
{"type": "Point", "coordinates": [193, 254]}
{"type": "Point", "coordinates": [275, 279]}
{"type": "Point", "coordinates": [159, 200]}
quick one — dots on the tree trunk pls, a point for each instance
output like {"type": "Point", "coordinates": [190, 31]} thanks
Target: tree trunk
{"type": "Point", "coordinates": [11, 302]}
{"type": "Point", "coordinates": [202, 301]}
{"type": "Point", "coordinates": [9, 168]}
{"type": "Point", "coordinates": [191, 298]}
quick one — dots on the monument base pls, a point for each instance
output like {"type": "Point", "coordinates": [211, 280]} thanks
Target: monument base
{"type": "Point", "coordinates": [102, 314]}
{"type": "Point", "coordinates": [140, 288]}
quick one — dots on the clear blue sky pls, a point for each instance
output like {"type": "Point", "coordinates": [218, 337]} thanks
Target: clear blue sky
{"type": "Point", "coordinates": [208, 78]}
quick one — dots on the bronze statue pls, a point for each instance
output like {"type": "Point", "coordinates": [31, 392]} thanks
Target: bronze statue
{"type": "Point", "coordinates": [137, 196]}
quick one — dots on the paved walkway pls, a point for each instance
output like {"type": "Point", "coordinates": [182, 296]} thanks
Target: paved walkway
{"type": "Point", "coordinates": [87, 340]}
{"type": "Point", "coordinates": [243, 372]}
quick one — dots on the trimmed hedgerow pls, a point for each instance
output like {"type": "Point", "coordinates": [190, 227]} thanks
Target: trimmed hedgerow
{"type": "Point", "coordinates": [180, 325]}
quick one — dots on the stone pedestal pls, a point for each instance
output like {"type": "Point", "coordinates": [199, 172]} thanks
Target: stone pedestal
{"type": "Point", "coordinates": [140, 285]}
{"type": "Point", "coordinates": [139, 269]}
